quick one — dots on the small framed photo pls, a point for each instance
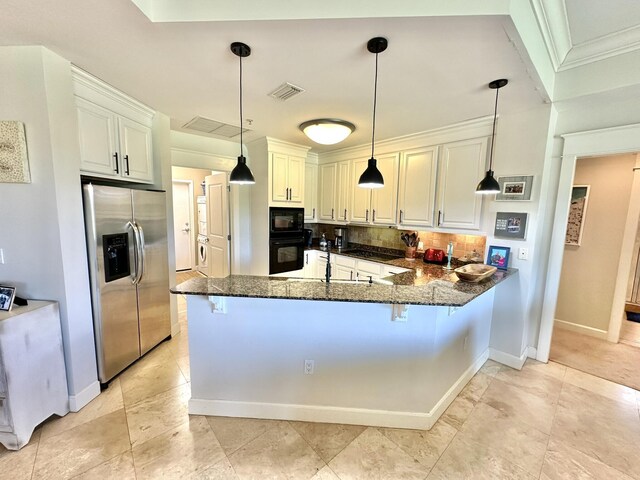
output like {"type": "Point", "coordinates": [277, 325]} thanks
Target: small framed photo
{"type": "Point", "coordinates": [515, 188]}
{"type": "Point", "coordinates": [498, 257]}
{"type": "Point", "coordinates": [511, 225]}
{"type": "Point", "coordinates": [7, 294]}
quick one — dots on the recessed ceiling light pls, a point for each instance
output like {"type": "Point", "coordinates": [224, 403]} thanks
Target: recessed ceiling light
{"type": "Point", "coordinates": [327, 131]}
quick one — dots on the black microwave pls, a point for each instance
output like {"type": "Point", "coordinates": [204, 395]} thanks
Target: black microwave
{"type": "Point", "coordinates": [286, 220]}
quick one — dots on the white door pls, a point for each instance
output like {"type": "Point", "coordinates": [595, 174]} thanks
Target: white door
{"type": "Point", "coordinates": [218, 224]}
{"type": "Point", "coordinates": [182, 205]}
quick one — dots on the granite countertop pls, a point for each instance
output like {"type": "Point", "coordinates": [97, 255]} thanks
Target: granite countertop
{"type": "Point", "coordinates": [425, 284]}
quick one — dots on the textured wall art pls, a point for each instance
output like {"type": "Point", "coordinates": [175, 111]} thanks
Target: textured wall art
{"type": "Point", "coordinates": [577, 213]}
{"type": "Point", "coordinates": [14, 163]}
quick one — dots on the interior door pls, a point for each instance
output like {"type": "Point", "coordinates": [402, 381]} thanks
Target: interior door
{"type": "Point", "coordinates": [217, 187]}
{"type": "Point", "coordinates": [182, 231]}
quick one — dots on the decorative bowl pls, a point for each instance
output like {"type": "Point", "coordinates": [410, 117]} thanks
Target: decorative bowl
{"type": "Point", "coordinates": [475, 272]}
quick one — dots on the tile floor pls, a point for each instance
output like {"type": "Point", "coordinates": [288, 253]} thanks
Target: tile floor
{"type": "Point", "coordinates": [544, 422]}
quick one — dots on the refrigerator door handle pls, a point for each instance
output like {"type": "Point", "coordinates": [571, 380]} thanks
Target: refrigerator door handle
{"type": "Point", "coordinates": [136, 252]}
{"type": "Point", "coordinates": [141, 255]}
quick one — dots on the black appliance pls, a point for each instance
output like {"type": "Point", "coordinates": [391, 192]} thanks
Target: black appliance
{"type": "Point", "coordinates": [285, 220]}
{"type": "Point", "coordinates": [286, 239]}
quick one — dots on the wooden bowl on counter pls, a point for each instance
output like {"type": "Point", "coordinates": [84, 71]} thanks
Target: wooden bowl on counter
{"type": "Point", "coordinates": [474, 272]}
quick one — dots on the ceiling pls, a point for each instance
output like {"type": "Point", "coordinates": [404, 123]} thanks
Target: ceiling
{"type": "Point", "coordinates": [434, 73]}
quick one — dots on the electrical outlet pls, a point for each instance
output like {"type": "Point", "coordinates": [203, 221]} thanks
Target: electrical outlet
{"type": "Point", "coordinates": [309, 366]}
{"type": "Point", "coordinates": [420, 245]}
{"type": "Point", "coordinates": [523, 253]}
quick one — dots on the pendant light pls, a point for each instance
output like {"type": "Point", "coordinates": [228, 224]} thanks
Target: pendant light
{"type": "Point", "coordinates": [241, 174]}
{"type": "Point", "coordinates": [490, 185]}
{"type": "Point", "coordinates": [371, 177]}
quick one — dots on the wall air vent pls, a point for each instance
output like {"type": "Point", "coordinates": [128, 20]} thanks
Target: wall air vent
{"type": "Point", "coordinates": [206, 125]}
{"type": "Point", "coordinates": [286, 91]}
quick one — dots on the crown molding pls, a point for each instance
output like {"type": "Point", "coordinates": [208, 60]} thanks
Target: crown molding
{"type": "Point", "coordinates": [554, 25]}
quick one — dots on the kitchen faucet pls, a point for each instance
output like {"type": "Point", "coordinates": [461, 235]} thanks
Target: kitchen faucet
{"type": "Point", "coordinates": [327, 274]}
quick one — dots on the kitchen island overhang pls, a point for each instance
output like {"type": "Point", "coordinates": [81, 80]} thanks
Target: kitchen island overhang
{"type": "Point", "coordinates": [382, 355]}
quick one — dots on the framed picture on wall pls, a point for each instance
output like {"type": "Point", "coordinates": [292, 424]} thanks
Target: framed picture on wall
{"type": "Point", "coordinates": [7, 294]}
{"type": "Point", "coordinates": [510, 225]}
{"type": "Point", "coordinates": [577, 214]}
{"type": "Point", "coordinates": [498, 257]}
{"type": "Point", "coordinates": [14, 162]}
{"type": "Point", "coordinates": [515, 188]}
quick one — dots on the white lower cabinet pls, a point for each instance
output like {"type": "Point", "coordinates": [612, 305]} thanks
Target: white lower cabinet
{"type": "Point", "coordinates": [365, 269]}
{"type": "Point", "coordinates": [389, 270]}
{"type": "Point", "coordinates": [345, 268]}
{"type": "Point", "coordinates": [310, 261]}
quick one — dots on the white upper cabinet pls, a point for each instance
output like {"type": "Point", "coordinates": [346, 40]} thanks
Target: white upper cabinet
{"type": "Point", "coordinates": [114, 131]}
{"type": "Point", "coordinates": [334, 191]}
{"type": "Point", "coordinates": [462, 167]}
{"type": "Point", "coordinates": [310, 192]}
{"type": "Point", "coordinates": [286, 174]}
{"type": "Point", "coordinates": [417, 188]}
{"type": "Point", "coordinates": [342, 191]}
{"type": "Point", "coordinates": [375, 206]}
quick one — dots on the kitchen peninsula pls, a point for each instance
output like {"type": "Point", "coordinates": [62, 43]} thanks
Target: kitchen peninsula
{"type": "Point", "coordinates": [393, 353]}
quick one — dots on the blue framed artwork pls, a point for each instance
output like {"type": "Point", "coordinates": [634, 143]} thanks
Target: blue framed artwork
{"type": "Point", "coordinates": [498, 257]}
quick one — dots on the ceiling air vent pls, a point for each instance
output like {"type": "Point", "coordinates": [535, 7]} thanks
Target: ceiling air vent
{"type": "Point", "coordinates": [286, 91]}
{"type": "Point", "coordinates": [206, 125]}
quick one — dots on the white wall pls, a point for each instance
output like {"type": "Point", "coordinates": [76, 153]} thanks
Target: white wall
{"type": "Point", "coordinates": [43, 230]}
{"type": "Point", "coordinates": [589, 271]}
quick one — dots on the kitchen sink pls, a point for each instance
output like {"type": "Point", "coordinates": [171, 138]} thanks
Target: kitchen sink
{"type": "Point", "coordinates": [340, 281]}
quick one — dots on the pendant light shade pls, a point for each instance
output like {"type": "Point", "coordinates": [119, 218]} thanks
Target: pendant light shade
{"type": "Point", "coordinates": [327, 131]}
{"type": "Point", "coordinates": [371, 177]}
{"type": "Point", "coordinates": [489, 185]}
{"type": "Point", "coordinates": [241, 174]}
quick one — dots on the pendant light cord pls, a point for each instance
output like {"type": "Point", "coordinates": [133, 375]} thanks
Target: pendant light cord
{"type": "Point", "coordinates": [493, 134]}
{"type": "Point", "coordinates": [241, 153]}
{"type": "Point", "coordinates": [375, 101]}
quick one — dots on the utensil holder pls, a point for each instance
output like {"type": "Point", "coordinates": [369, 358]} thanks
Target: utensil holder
{"type": "Point", "coordinates": [410, 253]}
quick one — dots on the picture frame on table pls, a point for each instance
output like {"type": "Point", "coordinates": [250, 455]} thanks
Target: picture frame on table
{"type": "Point", "coordinates": [7, 295]}
{"type": "Point", "coordinates": [498, 257]}
{"type": "Point", "coordinates": [515, 188]}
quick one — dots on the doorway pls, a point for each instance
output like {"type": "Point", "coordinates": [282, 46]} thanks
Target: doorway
{"type": "Point", "coordinates": [182, 223]}
{"type": "Point", "coordinates": [588, 317]}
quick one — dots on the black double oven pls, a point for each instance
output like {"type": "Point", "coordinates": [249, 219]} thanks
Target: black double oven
{"type": "Point", "coordinates": [286, 239]}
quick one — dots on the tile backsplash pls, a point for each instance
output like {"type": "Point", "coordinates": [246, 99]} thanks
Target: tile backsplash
{"type": "Point", "coordinates": [463, 245]}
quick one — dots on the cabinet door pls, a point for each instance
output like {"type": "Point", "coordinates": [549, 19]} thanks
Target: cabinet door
{"type": "Point", "coordinates": [360, 208]}
{"type": "Point", "coordinates": [295, 179]}
{"type": "Point", "coordinates": [327, 191]}
{"type": "Point", "coordinates": [417, 189]}
{"type": "Point", "coordinates": [310, 192]}
{"type": "Point", "coordinates": [342, 190]}
{"type": "Point", "coordinates": [342, 273]}
{"type": "Point", "coordinates": [463, 165]}
{"type": "Point", "coordinates": [97, 135]}
{"type": "Point", "coordinates": [384, 200]}
{"type": "Point", "coordinates": [135, 148]}
{"type": "Point", "coordinates": [368, 269]}
{"type": "Point", "coordinates": [310, 263]}
{"type": "Point", "coordinates": [279, 185]}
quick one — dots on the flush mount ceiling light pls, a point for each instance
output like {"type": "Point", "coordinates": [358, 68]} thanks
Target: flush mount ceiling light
{"type": "Point", "coordinates": [371, 177]}
{"type": "Point", "coordinates": [327, 131]}
{"type": "Point", "coordinates": [241, 174]}
{"type": "Point", "coordinates": [490, 185]}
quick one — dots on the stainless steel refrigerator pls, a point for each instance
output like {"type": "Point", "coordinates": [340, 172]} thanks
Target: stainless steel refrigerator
{"type": "Point", "coordinates": [129, 273]}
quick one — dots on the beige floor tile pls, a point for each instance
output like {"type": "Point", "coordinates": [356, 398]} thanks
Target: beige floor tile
{"type": "Point", "coordinates": [458, 412]}
{"type": "Point", "coordinates": [372, 455]}
{"type": "Point", "coordinates": [327, 439]}
{"type": "Point", "coordinates": [600, 386]}
{"type": "Point", "coordinates": [490, 368]}
{"type": "Point", "coordinates": [158, 414]}
{"type": "Point", "coordinates": [466, 460]}
{"type": "Point", "coordinates": [118, 468]}
{"type": "Point", "coordinates": [424, 446]}
{"type": "Point", "coordinates": [81, 448]}
{"type": "Point", "coordinates": [183, 363]}
{"type": "Point", "coordinates": [599, 427]}
{"type": "Point", "coordinates": [179, 344]}
{"type": "Point", "coordinates": [476, 387]}
{"type": "Point", "coordinates": [18, 465]}
{"type": "Point", "coordinates": [532, 379]}
{"type": "Point", "coordinates": [220, 471]}
{"type": "Point", "coordinates": [562, 462]}
{"type": "Point", "coordinates": [233, 433]}
{"type": "Point", "coordinates": [186, 450]}
{"type": "Point", "coordinates": [279, 453]}
{"type": "Point", "coordinates": [519, 404]}
{"type": "Point", "coordinates": [110, 400]}
{"type": "Point", "coordinates": [325, 473]}
{"type": "Point", "coordinates": [150, 379]}
{"type": "Point", "coordinates": [517, 442]}
{"type": "Point", "coordinates": [551, 369]}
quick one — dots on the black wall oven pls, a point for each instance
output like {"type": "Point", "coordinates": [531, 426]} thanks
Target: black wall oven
{"type": "Point", "coordinates": [286, 239]}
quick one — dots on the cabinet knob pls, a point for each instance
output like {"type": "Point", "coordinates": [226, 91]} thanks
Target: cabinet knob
{"type": "Point", "coordinates": [117, 169]}
{"type": "Point", "coordinates": [366, 215]}
{"type": "Point", "coordinates": [373, 217]}
{"type": "Point", "coordinates": [345, 213]}
{"type": "Point", "coordinates": [439, 216]}
{"type": "Point", "coordinates": [126, 162]}
{"type": "Point", "coordinates": [313, 214]}
{"type": "Point", "coordinates": [400, 216]}
{"type": "Point", "coordinates": [332, 214]}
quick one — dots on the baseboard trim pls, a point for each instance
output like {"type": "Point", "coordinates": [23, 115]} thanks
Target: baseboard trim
{"type": "Point", "coordinates": [175, 329]}
{"type": "Point", "coordinates": [508, 359]}
{"type": "Point", "coordinates": [327, 414]}
{"type": "Point", "coordinates": [583, 329]}
{"type": "Point", "coordinates": [532, 352]}
{"type": "Point", "coordinates": [77, 402]}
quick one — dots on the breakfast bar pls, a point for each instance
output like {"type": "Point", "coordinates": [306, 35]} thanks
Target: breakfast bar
{"type": "Point", "coordinates": [394, 353]}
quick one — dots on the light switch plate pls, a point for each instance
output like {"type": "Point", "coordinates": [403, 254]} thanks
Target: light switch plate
{"type": "Point", "coordinates": [523, 253]}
